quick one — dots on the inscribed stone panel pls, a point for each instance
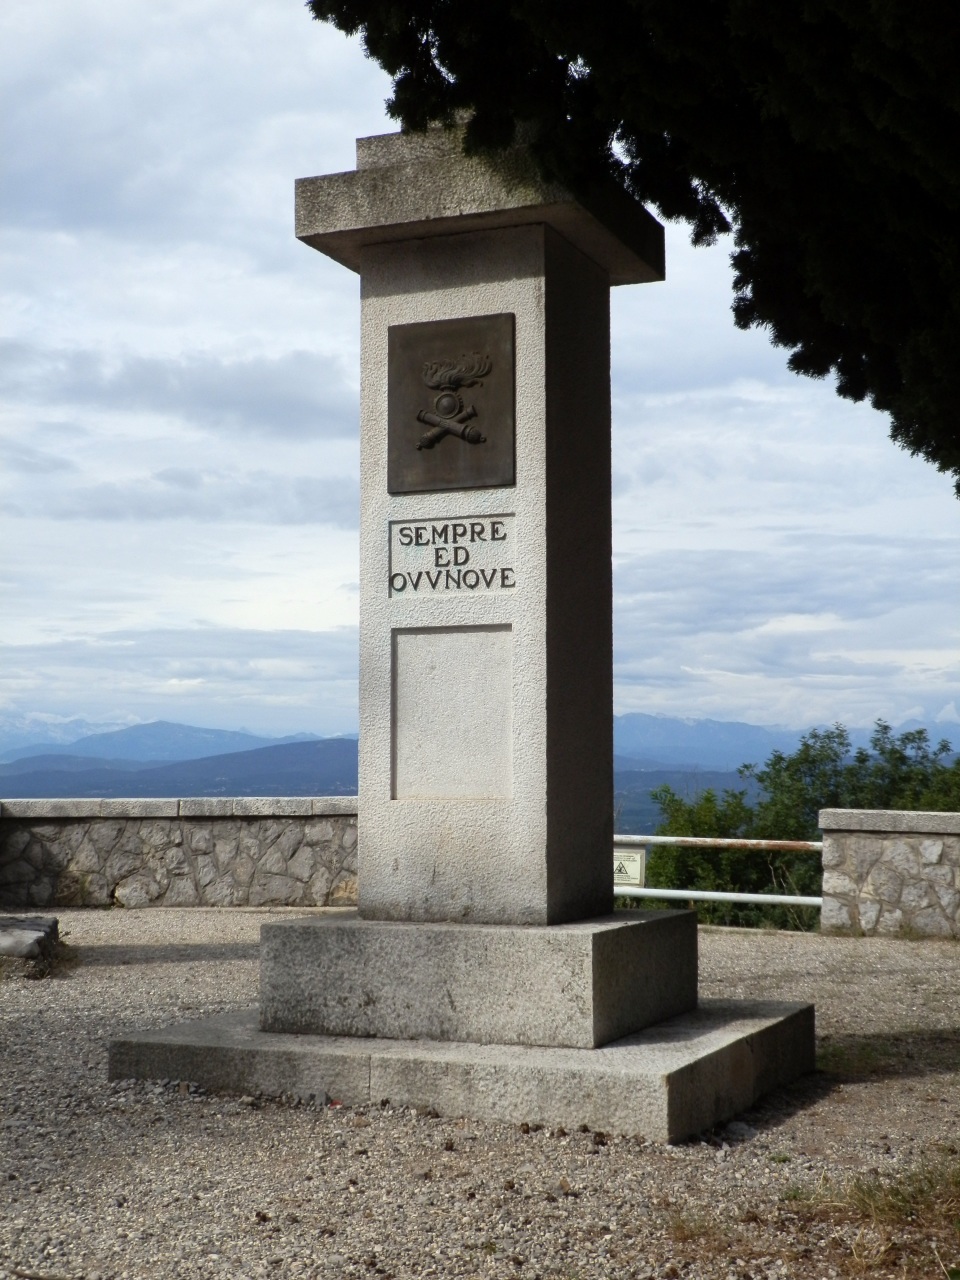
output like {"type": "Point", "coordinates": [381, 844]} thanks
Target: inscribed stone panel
{"type": "Point", "coordinates": [453, 556]}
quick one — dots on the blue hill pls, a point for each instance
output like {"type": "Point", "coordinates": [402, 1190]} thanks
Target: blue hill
{"type": "Point", "coordinates": [157, 741]}
{"type": "Point", "coordinates": [325, 767]}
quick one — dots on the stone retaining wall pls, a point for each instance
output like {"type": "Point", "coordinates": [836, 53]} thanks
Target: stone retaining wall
{"type": "Point", "coordinates": [201, 852]}
{"type": "Point", "coordinates": [891, 872]}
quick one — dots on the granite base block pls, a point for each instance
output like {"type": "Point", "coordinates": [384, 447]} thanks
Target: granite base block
{"type": "Point", "coordinates": [667, 1082]}
{"type": "Point", "coordinates": [577, 985]}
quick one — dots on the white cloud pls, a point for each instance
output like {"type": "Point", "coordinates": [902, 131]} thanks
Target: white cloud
{"type": "Point", "coordinates": [300, 394]}
{"type": "Point", "coordinates": [792, 623]}
{"type": "Point", "coordinates": [174, 494]}
{"type": "Point", "coordinates": [281, 681]}
{"type": "Point", "coordinates": [29, 461]}
{"type": "Point", "coordinates": [725, 624]}
{"type": "Point", "coordinates": [180, 445]}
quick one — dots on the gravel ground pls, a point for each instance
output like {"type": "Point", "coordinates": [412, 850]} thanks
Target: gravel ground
{"type": "Point", "coordinates": [157, 1180]}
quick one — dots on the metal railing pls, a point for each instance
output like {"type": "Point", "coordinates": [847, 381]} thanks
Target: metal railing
{"type": "Point", "coordinates": [629, 889]}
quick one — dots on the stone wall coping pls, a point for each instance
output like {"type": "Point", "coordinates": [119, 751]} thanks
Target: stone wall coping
{"type": "Point", "coordinates": [136, 808]}
{"type": "Point", "coordinates": [59, 808]}
{"type": "Point", "coordinates": [334, 806]}
{"type": "Point", "coordinates": [194, 807]}
{"type": "Point", "coordinates": [889, 821]}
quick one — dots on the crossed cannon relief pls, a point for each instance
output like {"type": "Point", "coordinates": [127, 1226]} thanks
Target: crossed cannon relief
{"type": "Point", "coordinates": [450, 417]}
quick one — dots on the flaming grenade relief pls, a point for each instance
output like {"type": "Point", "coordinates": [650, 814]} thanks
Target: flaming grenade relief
{"type": "Point", "coordinates": [450, 417]}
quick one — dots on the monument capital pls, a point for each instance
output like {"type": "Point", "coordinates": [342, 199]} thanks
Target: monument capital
{"type": "Point", "coordinates": [417, 186]}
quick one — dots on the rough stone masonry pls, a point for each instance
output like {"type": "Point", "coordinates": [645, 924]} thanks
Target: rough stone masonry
{"type": "Point", "coordinates": [891, 872]}
{"type": "Point", "coordinates": [213, 852]}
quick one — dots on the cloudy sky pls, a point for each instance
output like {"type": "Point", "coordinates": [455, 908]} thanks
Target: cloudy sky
{"type": "Point", "coordinates": [179, 431]}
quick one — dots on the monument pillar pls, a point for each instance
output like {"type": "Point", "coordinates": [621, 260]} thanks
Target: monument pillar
{"type": "Point", "coordinates": [486, 753]}
{"type": "Point", "coordinates": [485, 586]}
{"type": "Point", "coordinates": [486, 701]}
{"type": "Point", "coordinates": [485, 973]}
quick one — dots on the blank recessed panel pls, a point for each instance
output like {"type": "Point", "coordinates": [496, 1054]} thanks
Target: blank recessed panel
{"type": "Point", "coordinates": [452, 713]}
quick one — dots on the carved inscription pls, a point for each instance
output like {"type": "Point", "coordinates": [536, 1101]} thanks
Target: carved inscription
{"type": "Point", "coordinates": [466, 555]}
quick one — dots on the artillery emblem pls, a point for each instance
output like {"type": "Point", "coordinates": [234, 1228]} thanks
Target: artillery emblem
{"type": "Point", "coordinates": [449, 416]}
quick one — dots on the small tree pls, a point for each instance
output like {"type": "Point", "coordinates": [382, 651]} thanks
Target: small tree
{"type": "Point", "coordinates": [728, 816]}
{"type": "Point", "coordinates": [796, 787]}
{"type": "Point", "coordinates": [903, 772]}
{"type": "Point", "coordinates": [899, 771]}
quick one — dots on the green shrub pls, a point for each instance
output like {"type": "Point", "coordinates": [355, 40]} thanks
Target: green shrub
{"type": "Point", "coordinates": [897, 772]}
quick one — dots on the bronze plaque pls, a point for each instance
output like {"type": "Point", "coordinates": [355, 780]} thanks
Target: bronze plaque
{"type": "Point", "coordinates": [451, 417]}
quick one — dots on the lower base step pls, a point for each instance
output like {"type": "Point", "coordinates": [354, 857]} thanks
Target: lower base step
{"type": "Point", "coordinates": [666, 1083]}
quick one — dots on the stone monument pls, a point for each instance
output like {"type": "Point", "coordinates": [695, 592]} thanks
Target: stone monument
{"type": "Point", "coordinates": [484, 972]}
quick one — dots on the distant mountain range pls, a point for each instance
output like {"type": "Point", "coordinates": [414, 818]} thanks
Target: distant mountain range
{"type": "Point", "coordinates": [168, 759]}
{"type": "Point", "coordinates": [657, 742]}
{"type": "Point", "coordinates": [324, 767]}
{"type": "Point", "coordinates": [636, 814]}
{"type": "Point", "coordinates": [46, 732]}
{"type": "Point", "coordinates": [158, 741]}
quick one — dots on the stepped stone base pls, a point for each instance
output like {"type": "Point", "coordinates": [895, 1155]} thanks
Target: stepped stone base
{"type": "Point", "coordinates": [667, 1082]}
{"type": "Point", "coordinates": [576, 985]}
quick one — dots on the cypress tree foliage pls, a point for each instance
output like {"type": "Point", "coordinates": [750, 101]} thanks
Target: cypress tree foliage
{"type": "Point", "coordinates": [825, 134]}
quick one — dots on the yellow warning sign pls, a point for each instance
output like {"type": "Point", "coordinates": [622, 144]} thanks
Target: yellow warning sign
{"type": "Point", "coordinates": [628, 868]}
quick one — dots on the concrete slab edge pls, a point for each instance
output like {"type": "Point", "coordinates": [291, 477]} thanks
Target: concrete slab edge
{"type": "Point", "coordinates": [667, 1083]}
